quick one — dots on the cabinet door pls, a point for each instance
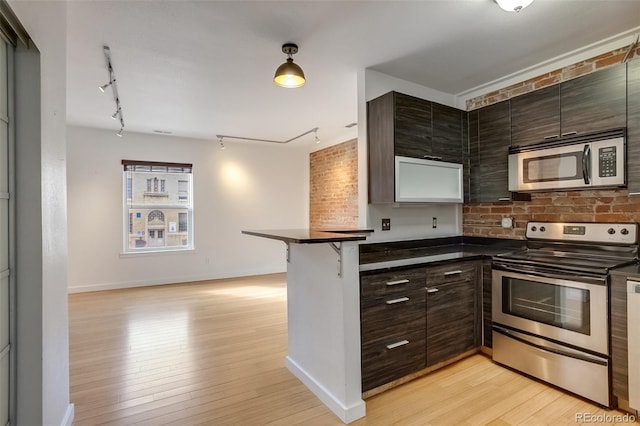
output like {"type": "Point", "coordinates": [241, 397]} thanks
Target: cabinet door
{"type": "Point", "coordinates": [487, 324]}
{"type": "Point", "coordinates": [619, 352]}
{"type": "Point", "coordinates": [535, 116]}
{"type": "Point", "coordinates": [447, 133]}
{"type": "Point", "coordinates": [473, 153]}
{"type": "Point", "coordinates": [633, 127]}
{"type": "Point", "coordinates": [492, 175]}
{"type": "Point", "coordinates": [380, 147]}
{"type": "Point", "coordinates": [413, 132]}
{"type": "Point", "coordinates": [451, 321]}
{"type": "Point", "coordinates": [594, 102]}
{"type": "Point", "coordinates": [452, 313]}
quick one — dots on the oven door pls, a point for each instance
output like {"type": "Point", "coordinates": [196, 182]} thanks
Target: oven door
{"type": "Point", "coordinates": [568, 309]}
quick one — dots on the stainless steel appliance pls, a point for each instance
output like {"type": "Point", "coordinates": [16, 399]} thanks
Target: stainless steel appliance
{"type": "Point", "coordinates": [583, 162]}
{"type": "Point", "coordinates": [551, 303]}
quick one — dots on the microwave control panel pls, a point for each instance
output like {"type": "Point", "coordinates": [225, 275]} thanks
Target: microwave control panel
{"type": "Point", "coordinates": [607, 161]}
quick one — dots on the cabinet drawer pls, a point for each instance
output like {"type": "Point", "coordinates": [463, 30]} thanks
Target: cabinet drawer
{"type": "Point", "coordinates": [391, 283]}
{"type": "Point", "coordinates": [388, 316]}
{"type": "Point", "coordinates": [389, 359]}
{"type": "Point", "coordinates": [451, 272]}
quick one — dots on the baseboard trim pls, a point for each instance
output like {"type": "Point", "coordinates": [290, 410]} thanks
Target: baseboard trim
{"type": "Point", "coordinates": [69, 415]}
{"type": "Point", "coordinates": [347, 414]}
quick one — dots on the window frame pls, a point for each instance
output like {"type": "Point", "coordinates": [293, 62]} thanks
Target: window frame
{"type": "Point", "coordinates": [178, 204]}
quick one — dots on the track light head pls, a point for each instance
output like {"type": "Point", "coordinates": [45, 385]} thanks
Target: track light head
{"type": "Point", "coordinates": [104, 86]}
{"type": "Point", "coordinates": [316, 138]}
{"type": "Point", "coordinates": [115, 114]}
{"type": "Point", "coordinates": [119, 134]}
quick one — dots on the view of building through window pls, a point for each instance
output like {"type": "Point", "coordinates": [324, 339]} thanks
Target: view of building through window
{"type": "Point", "coordinates": [158, 206]}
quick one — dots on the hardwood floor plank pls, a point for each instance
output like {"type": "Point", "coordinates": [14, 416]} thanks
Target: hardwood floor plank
{"type": "Point", "coordinates": [213, 353]}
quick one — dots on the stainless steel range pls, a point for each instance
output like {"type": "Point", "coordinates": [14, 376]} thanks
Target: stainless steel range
{"type": "Point", "coordinates": [550, 308]}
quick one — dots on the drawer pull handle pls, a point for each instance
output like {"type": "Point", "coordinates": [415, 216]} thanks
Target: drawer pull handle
{"type": "Point", "coordinates": [551, 136]}
{"type": "Point", "coordinates": [398, 344]}
{"type": "Point", "coordinates": [452, 272]}
{"type": "Point", "coordinates": [397, 282]}
{"type": "Point", "coordinates": [570, 133]}
{"type": "Point", "coordinates": [398, 300]}
{"type": "Point", "coordinates": [504, 199]}
{"type": "Point", "coordinates": [433, 290]}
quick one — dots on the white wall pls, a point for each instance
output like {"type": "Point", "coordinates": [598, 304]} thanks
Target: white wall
{"type": "Point", "coordinates": [407, 221]}
{"type": "Point", "coordinates": [41, 227]}
{"type": "Point", "coordinates": [245, 186]}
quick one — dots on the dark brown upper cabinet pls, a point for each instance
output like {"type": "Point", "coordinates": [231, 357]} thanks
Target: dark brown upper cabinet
{"type": "Point", "coordinates": [448, 137]}
{"type": "Point", "coordinates": [535, 116]}
{"type": "Point", "coordinates": [413, 126]}
{"type": "Point", "coordinates": [489, 136]}
{"type": "Point", "coordinates": [403, 125]}
{"type": "Point", "coordinates": [633, 127]}
{"type": "Point", "coordinates": [594, 102]}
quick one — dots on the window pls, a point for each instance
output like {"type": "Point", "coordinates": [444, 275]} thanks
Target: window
{"type": "Point", "coordinates": [158, 206]}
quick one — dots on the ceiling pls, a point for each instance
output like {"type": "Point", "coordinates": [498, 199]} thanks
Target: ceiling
{"type": "Point", "coordinates": [202, 68]}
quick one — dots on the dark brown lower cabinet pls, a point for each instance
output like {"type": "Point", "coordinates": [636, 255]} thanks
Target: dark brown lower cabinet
{"type": "Point", "coordinates": [487, 337]}
{"type": "Point", "coordinates": [451, 320]}
{"type": "Point", "coordinates": [416, 318]}
{"type": "Point", "coordinates": [392, 358]}
{"type": "Point", "coordinates": [619, 352]}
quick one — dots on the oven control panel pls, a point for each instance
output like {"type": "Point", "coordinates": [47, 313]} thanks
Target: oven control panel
{"type": "Point", "coordinates": [615, 233]}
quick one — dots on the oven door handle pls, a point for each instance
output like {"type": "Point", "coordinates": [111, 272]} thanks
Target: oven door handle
{"type": "Point", "coordinates": [523, 338]}
{"type": "Point", "coordinates": [545, 274]}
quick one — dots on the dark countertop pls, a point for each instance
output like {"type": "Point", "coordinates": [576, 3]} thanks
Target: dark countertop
{"type": "Point", "coordinates": [421, 252]}
{"type": "Point", "coordinates": [308, 236]}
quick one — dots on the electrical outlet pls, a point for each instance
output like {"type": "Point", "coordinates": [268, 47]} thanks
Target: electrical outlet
{"type": "Point", "coordinates": [507, 222]}
{"type": "Point", "coordinates": [386, 224]}
{"type": "Point", "coordinates": [434, 222]}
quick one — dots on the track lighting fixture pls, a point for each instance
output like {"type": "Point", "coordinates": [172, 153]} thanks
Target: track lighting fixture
{"type": "Point", "coordinates": [112, 82]}
{"type": "Point", "coordinates": [289, 75]}
{"type": "Point", "coordinates": [314, 130]}
{"type": "Point", "coordinates": [221, 144]}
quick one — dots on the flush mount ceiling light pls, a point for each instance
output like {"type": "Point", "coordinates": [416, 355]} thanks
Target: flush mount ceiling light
{"type": "Point", "coordinates": [289, 75]}
{"type": "Point", "coordinates": [513, 5]}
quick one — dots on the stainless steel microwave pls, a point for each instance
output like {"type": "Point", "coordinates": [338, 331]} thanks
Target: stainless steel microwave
{"type": "Point", "coordinates": [575, 164]}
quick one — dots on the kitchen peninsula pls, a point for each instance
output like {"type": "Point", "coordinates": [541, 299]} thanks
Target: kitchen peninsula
{"type": "Point", "coordinates": [324, 300]}
{"type": "Point", "coordinates": [323, 315]}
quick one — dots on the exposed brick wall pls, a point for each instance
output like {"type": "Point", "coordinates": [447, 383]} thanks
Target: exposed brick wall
{"type": "Point", "coordinates": [333, 195]}
{"type": "Point", "coordinates": [483, 219]}
{"type": "Point", "coordinates": [563, 74]}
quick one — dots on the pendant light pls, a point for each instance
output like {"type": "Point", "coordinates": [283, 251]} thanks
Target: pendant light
{"type": "Point", "coordinates": [513, 5]}
{"type": "Point", "coordinates": [289, 75]}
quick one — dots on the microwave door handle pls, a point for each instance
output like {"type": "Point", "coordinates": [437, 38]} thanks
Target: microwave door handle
{"type": "Point", "coordinates": [586, 161]}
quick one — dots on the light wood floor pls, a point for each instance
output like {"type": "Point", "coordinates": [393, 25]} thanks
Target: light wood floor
{"type": "Point", "coordinates": [212, 353]}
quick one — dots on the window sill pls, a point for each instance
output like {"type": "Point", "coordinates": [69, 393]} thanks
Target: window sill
{"type": "Point", "coordinates": [145, 253]}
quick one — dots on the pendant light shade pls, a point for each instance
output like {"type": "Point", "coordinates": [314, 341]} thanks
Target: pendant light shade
{"type": "Point", "coordinates": [289, 74]}
{"type": "Point", "coordinates": [513, 5]}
